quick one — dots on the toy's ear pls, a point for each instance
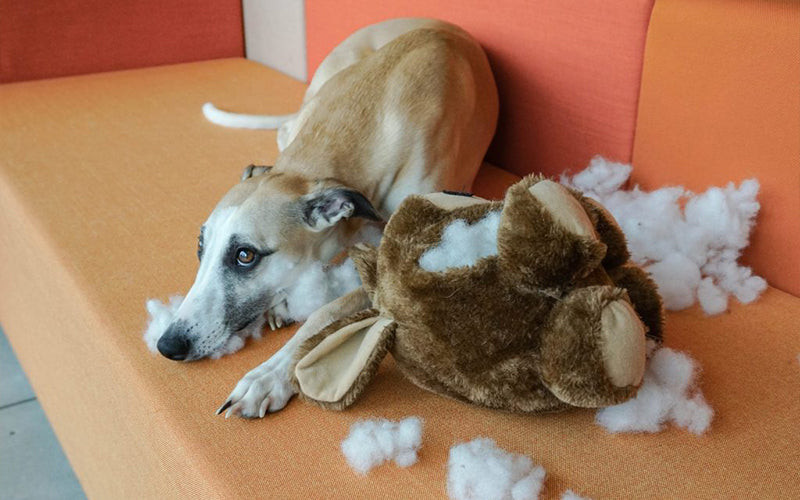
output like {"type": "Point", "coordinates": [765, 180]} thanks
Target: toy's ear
{"type": "Point", "coordinates": [332, 368]}
{"type": "Point", "coordinates": [323, 209]}
{"type": "Point", "coordinates": [365, 258]}
{"type": "Point", "coordinates": [254, 171]}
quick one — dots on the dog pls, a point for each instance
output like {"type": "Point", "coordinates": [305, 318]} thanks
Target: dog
{"type": "Point", "coordinates": [400, 107]}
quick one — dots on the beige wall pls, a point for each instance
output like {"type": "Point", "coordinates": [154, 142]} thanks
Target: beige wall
{"type": "Point", "coordinates": [275, 35]}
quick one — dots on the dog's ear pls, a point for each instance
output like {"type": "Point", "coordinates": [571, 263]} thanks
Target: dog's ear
{"type": "Point", "coordinates": [254, 171]}
{"type": "Point", "coordinates": [323, 209]}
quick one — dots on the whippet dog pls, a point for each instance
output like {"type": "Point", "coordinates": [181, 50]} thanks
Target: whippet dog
{"type": "Point", "coordinates": [400, 107]}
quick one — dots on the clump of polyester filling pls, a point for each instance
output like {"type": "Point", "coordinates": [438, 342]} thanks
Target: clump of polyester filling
{"type": "Point", "coordinates": [689, 243]}
{"type": "Point", "coordinates": [375, 442]}
{"type": "Point", "coordinates": [480, 470]}
{"type": "Point", "coordinates": [668, 393]}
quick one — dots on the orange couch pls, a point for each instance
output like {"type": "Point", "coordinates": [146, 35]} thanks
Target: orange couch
{"type": "Point", "coordinates": [105, 179]}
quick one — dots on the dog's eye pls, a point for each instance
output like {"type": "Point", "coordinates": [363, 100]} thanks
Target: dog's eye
{"type": "Point", "coordinates": [245, 256]}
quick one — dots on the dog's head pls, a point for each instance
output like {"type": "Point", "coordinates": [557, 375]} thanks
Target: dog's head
{"type": "Point", "coordinates": [261, 235]}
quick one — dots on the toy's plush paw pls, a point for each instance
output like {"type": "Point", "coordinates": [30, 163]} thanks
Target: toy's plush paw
{"type": "Point", "coordinates": [622, 344]}
{"type": "Point", "coordinates": [564, 208]}
{"type": "Point", "coordinates": [265, 389]}
{"type": "Point", "coordinates": [546, 239]}
{"type": "Point", "coordinates": [593, 350]}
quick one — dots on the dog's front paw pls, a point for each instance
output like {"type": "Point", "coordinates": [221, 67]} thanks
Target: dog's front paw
{"type": "Point", "coordinates": [278, 316]}
{"type": "Point", "coordinates": [264, 389]}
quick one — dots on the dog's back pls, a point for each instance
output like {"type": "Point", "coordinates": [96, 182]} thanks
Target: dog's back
{"type": "Point", "coordinates": [416, 115]}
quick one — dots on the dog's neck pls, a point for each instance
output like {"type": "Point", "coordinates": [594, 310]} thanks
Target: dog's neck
{"type": "Point", "coordinates": [311, 164]}
{"type": "Point", "coordinates": [340, 237]}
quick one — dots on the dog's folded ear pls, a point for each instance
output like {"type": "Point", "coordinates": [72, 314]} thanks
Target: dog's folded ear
{"type": "Point", "coordinates": [323, 209]}
{"type": "Point", "coordinates": [254, 171]}
{"type": "Point", "coordinates": [332, 368]}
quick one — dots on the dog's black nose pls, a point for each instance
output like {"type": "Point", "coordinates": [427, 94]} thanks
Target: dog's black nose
{"type": "Point", "coordinates": [174, 347]}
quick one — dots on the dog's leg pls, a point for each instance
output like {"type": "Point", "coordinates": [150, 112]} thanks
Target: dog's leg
{"type": "Point", "coordinates": [267, 388]}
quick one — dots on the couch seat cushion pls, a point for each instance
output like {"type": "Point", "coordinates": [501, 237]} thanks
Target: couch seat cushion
{"type": "Point", "coordinates": [104, 182]}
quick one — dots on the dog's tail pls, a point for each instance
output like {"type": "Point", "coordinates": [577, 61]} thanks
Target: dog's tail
{"type": "Point", "coordinates": [228, 119]}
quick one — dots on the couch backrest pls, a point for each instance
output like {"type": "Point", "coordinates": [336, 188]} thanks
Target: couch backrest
{"type": "Point", "coordinates": [568, 73]}
{"type": "Point", "coordinates": [719, 83]}
{"type": "Point", "coordinates": [720, 102]}
{"type": "Point", "coordinates": [50, 38]}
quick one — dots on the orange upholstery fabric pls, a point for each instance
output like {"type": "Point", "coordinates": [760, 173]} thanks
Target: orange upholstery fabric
{"type": "Point", "coordinates": [720, 102]}
{"type": "Point", "coordinates": [568, 74]}
{"type": "Point", "coordinates": [45, 38]}
{"type": "Point", "coordinates": [104, 182]}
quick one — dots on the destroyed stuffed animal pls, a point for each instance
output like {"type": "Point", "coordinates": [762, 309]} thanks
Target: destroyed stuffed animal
{"type": "Point", "coordinates": [529, 305]}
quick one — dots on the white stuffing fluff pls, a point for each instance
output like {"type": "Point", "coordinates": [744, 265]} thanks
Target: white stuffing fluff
{"type": "Point", "coordinates": [373, 442]}
{"type": "Point", "coordinates": [318, 285]}
{"type": "Point", "coordinates": [160, 318]}
{"type": "Point", "coordinates": [571, 495]}
{"type": "Point", "coordinates": [668, 393]}
{"type": "Point", "coordinates": [691, 253]}
{"type": "Point", "coordinates": [463, 244]}
{"type": "Point", "coordinates": [479, 470]}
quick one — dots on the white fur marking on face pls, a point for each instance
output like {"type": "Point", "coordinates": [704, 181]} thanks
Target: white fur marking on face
{"type": "Point", "coordinates": [374, 442]}
{"type": "Point", "coordinates": [692, 253]}
{"type": "Point", "coordinates": [480, 469]}
{"type": "Point", "coordinates": [463, 244]}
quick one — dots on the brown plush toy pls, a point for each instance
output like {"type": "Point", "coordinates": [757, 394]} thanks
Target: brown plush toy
{"type": "Point", "coordinates": [527, 305]}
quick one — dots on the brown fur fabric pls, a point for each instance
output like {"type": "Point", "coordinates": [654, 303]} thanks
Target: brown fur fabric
{"type": "Point", "coordinates": [557, 258]}
{"type": "Point", "coordinates": [519, 330]}
{"type": "Point", "coordinates": [610, 233]}
{"type": "Point", "coordinates": [365, 258]}
{"type": "Point", "coordinates": [644, 296]}
{"type": "Point", "coordinates": [572, 364]}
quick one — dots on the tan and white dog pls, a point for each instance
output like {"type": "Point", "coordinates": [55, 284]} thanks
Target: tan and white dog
{"type": "Point", "coordinates": [400, 107]}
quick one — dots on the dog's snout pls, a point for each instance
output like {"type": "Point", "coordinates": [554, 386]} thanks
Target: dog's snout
{"type": "Point", "coordinates": [174, 344]}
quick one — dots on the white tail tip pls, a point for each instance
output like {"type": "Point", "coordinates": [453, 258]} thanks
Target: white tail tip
{"type": "Point", "coordinates": [236, 120]}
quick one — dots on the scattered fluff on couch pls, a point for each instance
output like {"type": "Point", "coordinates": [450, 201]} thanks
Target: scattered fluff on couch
{"type": "Point", "coordinates": [527, 305]}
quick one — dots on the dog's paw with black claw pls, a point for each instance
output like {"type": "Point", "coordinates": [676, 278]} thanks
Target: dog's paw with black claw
{"type": "Point", "coordinates": [265, 389]}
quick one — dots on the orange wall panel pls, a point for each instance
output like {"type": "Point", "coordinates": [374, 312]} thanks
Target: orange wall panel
{"type": "Point", "coordinates": [568, 72]}
{"type": "Point", "coordinates": [720, 102]}
{"type": "Point", "coordinates": [50, 38]}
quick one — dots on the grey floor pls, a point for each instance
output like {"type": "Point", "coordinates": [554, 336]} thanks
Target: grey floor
{"type": "Point", "coordinates": [32, 464]}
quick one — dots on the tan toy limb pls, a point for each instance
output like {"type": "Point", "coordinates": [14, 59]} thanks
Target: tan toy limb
{"type": "Point", "coordinates": [593, 350]}
{"type": "Point", "coordinates": [545, 238]}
